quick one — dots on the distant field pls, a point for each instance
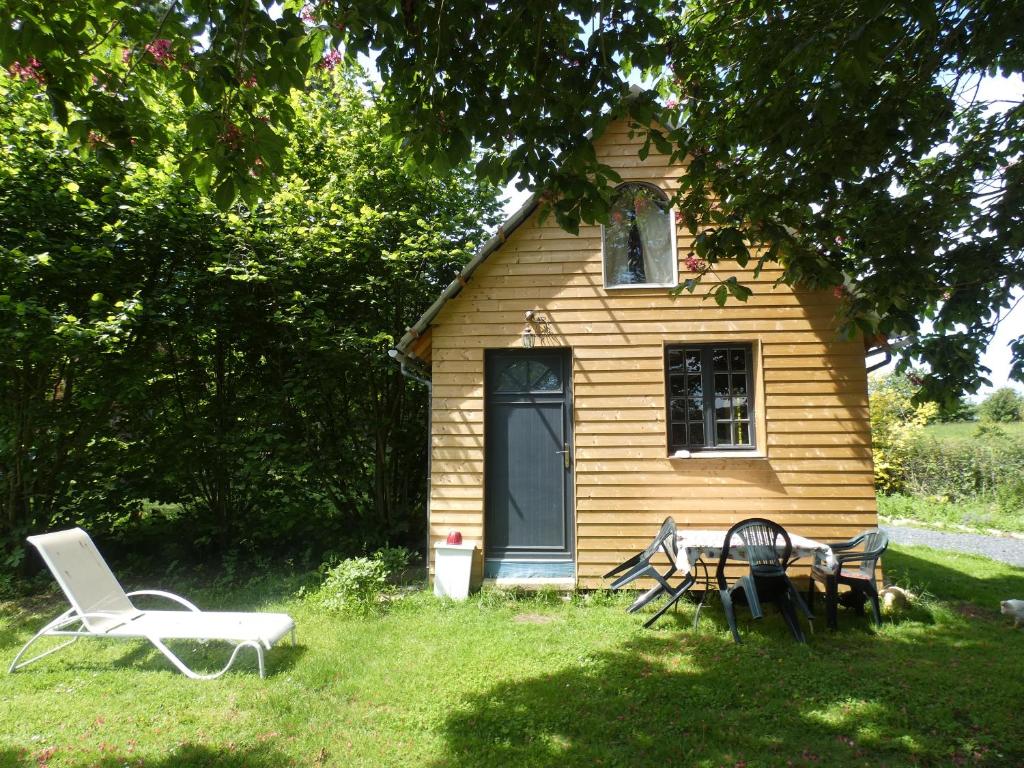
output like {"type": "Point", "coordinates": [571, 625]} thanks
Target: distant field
{"type": "Point", "coordinates": [966, 430]}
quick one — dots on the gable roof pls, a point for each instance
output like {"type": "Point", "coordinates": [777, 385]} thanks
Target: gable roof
{"type": "Point", "coordinates": [404, 348]}
{"type": "Point", "coordinates": [406, 351]}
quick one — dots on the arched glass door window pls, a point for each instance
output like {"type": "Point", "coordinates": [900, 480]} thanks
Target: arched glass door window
{"type": "Point", "coordinates": [639, 239]}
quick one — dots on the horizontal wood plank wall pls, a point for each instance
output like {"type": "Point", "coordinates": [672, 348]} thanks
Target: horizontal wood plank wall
{"type": "Point", "coordinates": [816, 477]}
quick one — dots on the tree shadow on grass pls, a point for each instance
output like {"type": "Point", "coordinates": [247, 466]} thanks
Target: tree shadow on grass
{"type": "Point", "coordinates": [900, 697]}
{"type": "Point", "coordinates": [184, 756]}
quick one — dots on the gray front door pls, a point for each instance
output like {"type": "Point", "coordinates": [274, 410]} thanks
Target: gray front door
{"type": "Point", "coordinates": [528, 470]}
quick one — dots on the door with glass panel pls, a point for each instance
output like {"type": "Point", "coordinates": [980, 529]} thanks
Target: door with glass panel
{"type": "Point", "coordinates": [528, 464]}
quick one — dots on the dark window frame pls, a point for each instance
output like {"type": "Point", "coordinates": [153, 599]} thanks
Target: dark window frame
{"type": "Point", "coordinates": [708, 409]}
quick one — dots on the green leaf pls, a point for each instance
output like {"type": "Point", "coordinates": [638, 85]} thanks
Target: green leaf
{"type": "Point", "coordinates": [224, 194]}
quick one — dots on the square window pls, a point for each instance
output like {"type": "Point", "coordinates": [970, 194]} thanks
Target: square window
{"type": "Point", "coordinates": [709, 406]}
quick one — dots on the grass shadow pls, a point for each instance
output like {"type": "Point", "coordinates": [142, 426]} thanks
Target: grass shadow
{"type": "Point", "coordinates": [856, 697]}
{"type": "Point", "coordinates": [190, 755]}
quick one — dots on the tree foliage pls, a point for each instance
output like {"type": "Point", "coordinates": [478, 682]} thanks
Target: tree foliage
{"type": "Point", "coordinates": [154, 349]}
{"type": "Point", "coordinates": [1004, 405]}
{"type": "Point", "coordinates": [896, 423]}
{"type": "Point", "coordinates": [846, 143]}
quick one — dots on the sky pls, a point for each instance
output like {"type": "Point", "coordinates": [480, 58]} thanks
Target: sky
{"type": "Point", "coordinates": [999, 90]}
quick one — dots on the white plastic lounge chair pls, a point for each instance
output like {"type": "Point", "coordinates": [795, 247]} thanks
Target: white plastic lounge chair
{"type": "Point", "coordinates": [100, 608]}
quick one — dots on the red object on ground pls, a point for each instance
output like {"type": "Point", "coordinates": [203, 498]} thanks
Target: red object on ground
{"type": "Point", "coordinates": [454, 537]}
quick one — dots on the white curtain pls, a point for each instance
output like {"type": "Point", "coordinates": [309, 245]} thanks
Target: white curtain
{"type": "Point", "coordinates": [656, 235]}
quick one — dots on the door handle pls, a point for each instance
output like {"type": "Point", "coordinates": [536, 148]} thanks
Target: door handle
{"type": "Point", "coordinates": [565, 454]}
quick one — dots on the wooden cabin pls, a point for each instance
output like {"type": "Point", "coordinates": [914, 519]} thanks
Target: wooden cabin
{"type": "Point", "coordinates": [576, 403]}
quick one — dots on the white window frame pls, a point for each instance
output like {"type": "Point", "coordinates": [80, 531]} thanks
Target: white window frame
{"type": "Point", "coordinates": [675, 248]}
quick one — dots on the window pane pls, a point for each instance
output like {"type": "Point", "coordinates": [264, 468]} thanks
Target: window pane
{"type": "Point", "coordinates": [695, 411]}
{"type": "Point", "coordinates": [677, 385]}
{"type": "Point", "coordinates": [693, 360]}
{"type": "Point", "coordinates": [742, 429]}
{"type": "Point", "coordinates": [695, 387]}
{"type": "Point", "coordinates": [723, 409]}
{"type": "Point", "coordinates": [513, 377]}
{"type": "Point", "coordinates": [720, 360]}
{"type": "Point", "coordinates": [678, 361]}
{"type": "Point", "coordinates": [678, 410]}
{"type": "Point", "coordinates": [740, 408]}
{"type": "Point", "coordinates": [696, 434]}
{"type": "Point", "coordinates": [679, 434]}
{"type": "Point", "coordinates": [638, 238]}
{"type": "Point", "coordinates": [738, 358]}
{"type": "Point", "coordinates": [739, 383]}
{"type": "Point", "coordinates": [722, 384]}
{"type": "Point", "coordinates": [544, 378]}
{"type": "Point", "coordinates": [724, 434]}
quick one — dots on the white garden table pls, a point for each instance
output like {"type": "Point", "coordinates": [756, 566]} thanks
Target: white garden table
{"type": "Point", "coordinates": [693, 544]}
{"type": "Point", "coordinates": [698, 547]}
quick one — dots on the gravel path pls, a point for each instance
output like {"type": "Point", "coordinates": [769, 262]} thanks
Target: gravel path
{"type": "Point", "coordinates": [1004, 548]}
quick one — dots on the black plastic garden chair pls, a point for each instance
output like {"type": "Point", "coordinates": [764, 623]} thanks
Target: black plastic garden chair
{"type": "Point", "coordinates": [859, 577]}
{"type": "Point", "coordinates": [768, 549]}
{"type": "Point", "coordinates": [640, 566]}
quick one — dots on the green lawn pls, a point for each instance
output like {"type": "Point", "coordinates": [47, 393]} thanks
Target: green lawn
{"type": "Point", "coordinates": [966, 430]}
{"type": "Point", "coordinates": [539, 682]}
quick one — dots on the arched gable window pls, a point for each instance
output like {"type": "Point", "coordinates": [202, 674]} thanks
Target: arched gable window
{"type": "Point", "coordinates": [639, 239]}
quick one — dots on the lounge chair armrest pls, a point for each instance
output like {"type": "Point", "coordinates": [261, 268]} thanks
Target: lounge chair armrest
{"type": "Point", "coordinates": [168, 595]}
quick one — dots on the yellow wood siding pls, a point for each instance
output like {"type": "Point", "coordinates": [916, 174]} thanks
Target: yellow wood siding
{"type": "Point", "coordinates": [816, 474]}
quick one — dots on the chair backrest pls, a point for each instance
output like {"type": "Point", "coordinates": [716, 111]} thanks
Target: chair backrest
{"type": "Point", "coordinates": [875, 542]}
{"type": "Point", "coordinates": [666, 539]}
{"type": "Point", "coordinates": [765, 543]}
{"type": "Point", "coordinates": [84, 576]}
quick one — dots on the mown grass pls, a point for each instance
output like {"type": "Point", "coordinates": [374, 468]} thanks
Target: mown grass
{"type": "Point", "coordinates": [500, 681]}
{"type": "Point", "coordinates": [980, 515]}
{"type": "Point", "coordinates": [968, 430]}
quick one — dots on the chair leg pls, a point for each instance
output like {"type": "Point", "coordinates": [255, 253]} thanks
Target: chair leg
{"type": "Point", "coordinates": [875, 609]}
{"type": "Point", "coordinates": [187, 671]}
{"type": "Point", "coordinates": [832, 603]}
{"type": "Point", "coordinates": [749, 587]}
{"type": "Point", "coordinates": [675, 595]}
{"type": "Point", "coordinates": [786, 607]}
{"type": "Point", "coordinates": [730, 613]}
{"type": "Point", "coordinates": [810, 594]}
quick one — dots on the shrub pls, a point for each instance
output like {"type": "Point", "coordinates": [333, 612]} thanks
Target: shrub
{"type": "Point", "coordinates": [360, 585]}
{"type": "Point", "coordinates": [896, 423]}
{"type": "Point", "coordinates": [1003, 405]}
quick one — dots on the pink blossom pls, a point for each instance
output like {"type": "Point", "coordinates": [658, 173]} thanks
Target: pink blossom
{"type": "Point", "coordinates": [249, 82]}
{"type": "Point", "coordinates": [31, 70]}
{"type": "Point", "coordinates": [330, 61]}
{"type": "Point", "coordinates": [679, 217]}
{"type": "Point", "coordinates": [308, 14]}
{"type": "Point", "coordinates": [696, 265]}
{"type": "Point", "coordinates": [839, 291]}
{"type": "Point", "coordinates": [231, 137]}
{"type": "Point", "coordinates": [672, 103]}
{"type": "Point", "coordinates": [126, 55]}
{"type": "Point", "coordinates": [95, 140]}
{"type": "Point", "coordinates": [161, 52]}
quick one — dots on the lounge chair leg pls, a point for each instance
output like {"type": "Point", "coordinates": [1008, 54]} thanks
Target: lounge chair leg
{"type": "Point", "coordinates": [293, 637]}
{"type": "Point", "coordinates": [185, 670]}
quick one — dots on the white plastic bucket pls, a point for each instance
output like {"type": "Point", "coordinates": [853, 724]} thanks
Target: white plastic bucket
{"type": "Point", "coordinates": [453, 564]}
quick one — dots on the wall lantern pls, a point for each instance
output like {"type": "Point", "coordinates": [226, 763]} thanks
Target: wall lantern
{"type": "Point", "coordinates": [533, 320]}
